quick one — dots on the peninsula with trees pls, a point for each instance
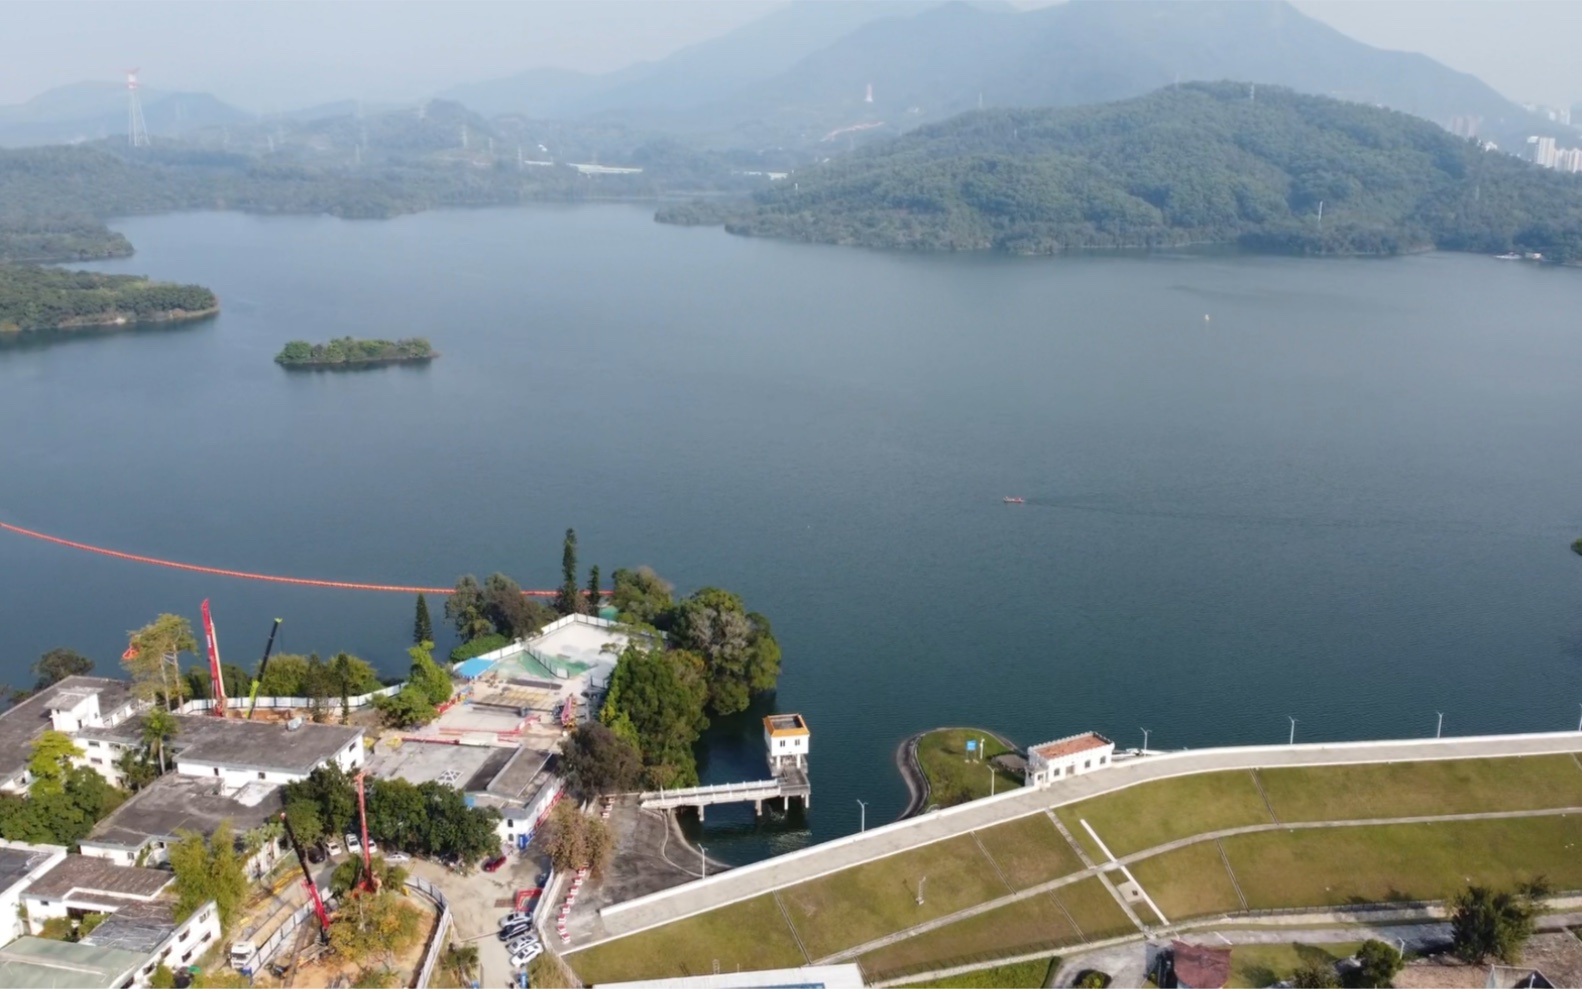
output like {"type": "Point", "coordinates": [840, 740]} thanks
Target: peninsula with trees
{"type": "Point", "coordinates": [34, 299]}
{"type": "Point", "coordinates": [1262, 169]}
{"type": "Point", "coordinates": [348, 352]}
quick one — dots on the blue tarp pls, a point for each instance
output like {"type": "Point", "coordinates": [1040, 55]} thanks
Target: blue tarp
{"type": "Point", "coordinates": [472, 669]}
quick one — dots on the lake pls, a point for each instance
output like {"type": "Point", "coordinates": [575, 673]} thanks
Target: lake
{"type": "Point", "coordinates": [1341, 491]}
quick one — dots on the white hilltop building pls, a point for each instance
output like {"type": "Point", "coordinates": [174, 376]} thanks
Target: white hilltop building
{"type": "Point", "coordinates": [1069, 756]}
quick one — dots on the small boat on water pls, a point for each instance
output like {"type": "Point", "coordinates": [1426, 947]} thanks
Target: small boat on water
{"type": "Point", "coordinates": [1015, 500]}
{"type": "Point", "coordinates": [1507, 257]}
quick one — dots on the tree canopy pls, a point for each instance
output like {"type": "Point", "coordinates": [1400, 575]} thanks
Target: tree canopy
{"type": "Point", "coordinates": [208, 870]}
{"type": "Point", "coordinates": [1486, 923]}
{"type": "Point", "coordinates": [655, 704]}
{"type": "Point", "coordinates": [34, 298]}
{"type": "Point", "coordinates": [58, 664]}
{"type": "Point", "coordinates": [595, 761]}
{"type": "Point", "coordinates": [1198, 164]}
{"type": "Point", "coordinates": [347, 351]}
{"type": "Point", "coordinates": [425, 819]}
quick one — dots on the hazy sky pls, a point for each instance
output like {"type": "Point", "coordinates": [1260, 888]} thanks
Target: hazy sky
{"type": "Point", "coordinates": [279, 54]}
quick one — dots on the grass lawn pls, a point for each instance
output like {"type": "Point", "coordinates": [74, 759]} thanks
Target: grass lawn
{"type": "Point", "coordinates": [1023, 975]}
{"type": "Point", "coordinates": [1411, 789]}
{"type": "Point", "coordinates": [1150, 814]}
{"type": "Point", "coordinates": [1256, 965]}
{"type": "Point", "coordinates": [953, 778]}
{"type": "Point", "coordinates": [1095, 910]}
{"type": "Point", "coordinates": [1035, 924]}
{"type": "Point", "coordinates": [1030, 851]}
{"type": "Point", "coordinates": [1403, 861]}
{"type": "Point", "coordinates": [1188, 882]}
{"type": "Point", "coordinates": [877, 898]}
{"type": "Point", "coordinates": [749, 935]}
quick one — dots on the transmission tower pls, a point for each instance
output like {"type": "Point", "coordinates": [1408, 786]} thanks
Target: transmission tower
{"type": "Point", "coordinates": [136, 129]}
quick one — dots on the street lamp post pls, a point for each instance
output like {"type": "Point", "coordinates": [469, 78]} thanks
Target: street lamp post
{"type": "Point", "coordinates": [1439, 731]}
{"type": "Point", "coordinates": [1145, 739]}
{"type": "Point", "coordinates": [990, 768]}
{"type": "Point", "coordinates": [1292, 740]}
{"type": "Point", "coordinates": [1579, 721]}
{"type": "Point", "coordinates": [864, 825]}
{"type": "Point", "coordinates": [920, 883]}
{"type": "Point", "coordinates": [703, 862]}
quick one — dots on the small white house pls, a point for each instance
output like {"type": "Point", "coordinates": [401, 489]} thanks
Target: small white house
{"type": "Point", "coordinates": [1069, 756]}
{"type": "Point", "coordinates": [20, 867]}
{"type": "Point", "coordinates": [786, 739]}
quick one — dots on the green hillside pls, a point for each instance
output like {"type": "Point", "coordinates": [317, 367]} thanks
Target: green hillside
{"type": "Point", "coordinates": [1207, 163]}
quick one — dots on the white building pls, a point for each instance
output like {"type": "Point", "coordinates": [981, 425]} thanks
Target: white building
{"type": "Point", "coordinates": [238, 752]}
{"type": "Point", "coordinates": [82, 884]}
{"type": "Point", "coordinates": [1069, 756]}
{"type": "Point", "coordinates": [20, 866]}
{"type": "Point", "coordinates": [786, 738]}
{"type": "Point", "coordinates": [73, 705]}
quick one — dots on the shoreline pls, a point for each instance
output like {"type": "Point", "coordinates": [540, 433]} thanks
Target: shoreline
{"type": "Point", "coordinates": [912, 771]}
{"type": "Point", "coordinates": [354, 365]}
{"type": "Point", "coordinates": [115, 321]}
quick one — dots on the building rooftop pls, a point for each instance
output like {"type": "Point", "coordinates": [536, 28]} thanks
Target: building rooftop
{"type": "Point", "coordinates": [236, 744]}
{"type": "Point", "coordinates": [1071, 745]}
{"type": "Point", "coordinates": [786, 724]}
{"type": "Point", "coordinates": [139, 927]}
{"type": "Point", "coordinates": [86, 875]}
{"type": "Point", "coordinates": [17, 860]}
{"type": "Point", "coordinates": [518, 774]}
{"type": "Point", "coordinates": [44, 963]}
{"type": "Point", "coordinates": [1200, 966]}
{"type": "Point", "coordinates": [192, 803]}
{"type": "Point", "coordinates": [22, 724]}
{"type": "Point", "coordinates": [425, 762]}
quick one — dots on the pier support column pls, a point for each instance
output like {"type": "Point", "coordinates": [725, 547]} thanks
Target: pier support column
{"type": "Point", "coordinates": [700, 812]}
{"type": "Point", "coordinates": [758, 808]}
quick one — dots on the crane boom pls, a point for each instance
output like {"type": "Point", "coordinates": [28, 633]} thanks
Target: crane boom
{"type": "Point", "coordinates": [217, 681]}
{"type": "Point", "coordinates": [369, 882]}
{"type": "Point", "coordinates": [263, 667]}
{"type": "Point", "coordinates": [307, 880]}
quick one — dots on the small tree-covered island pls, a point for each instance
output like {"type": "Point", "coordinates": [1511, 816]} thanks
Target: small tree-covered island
{"type": "Point", "coordinates": [34, 299]}
{"type": "Point", "coordinates": [351, 352]}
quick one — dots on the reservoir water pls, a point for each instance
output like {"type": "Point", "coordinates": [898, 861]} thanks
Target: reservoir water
{"type": "Point", "coordinates": [1341, 491]}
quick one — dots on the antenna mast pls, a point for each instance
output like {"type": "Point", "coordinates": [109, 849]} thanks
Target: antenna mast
{"type": "Point", "coordinates": [136, 129]}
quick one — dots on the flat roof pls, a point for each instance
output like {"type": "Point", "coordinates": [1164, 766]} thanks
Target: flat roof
{"type": "Point", "coordinates": [235, 744]}
{"type": "Point", "coordinates": [425, 762]}
{"type": "Point", "coordinates": [87, 874]}
{"type": "Point", "coordinates": [1071, 745]}
{"type": "Point", "coordinates": [786, 724]}
{"type": "Point", "coordinates": [25, 722]}
{"type": "Point", "coordinates": [192, 803]}
{"type": "Point", "coordinates": [140, 927]}
{"type": "Point", "coordinates": [519, 773]}
{"type": "Point", "coordinates": [847, 976]}
{"type": "Point", "coordinates": [44, 963]}
{"type": "Point", "coordinates": [16, 863]}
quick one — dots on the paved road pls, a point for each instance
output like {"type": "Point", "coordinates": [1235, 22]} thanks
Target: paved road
{"type": "Point", "coordinates": [786, 870]}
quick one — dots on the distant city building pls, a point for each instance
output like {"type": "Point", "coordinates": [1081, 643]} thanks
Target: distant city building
{"type": "Point", "coordinates": [1569, 160]}
{"type": "Point", "coordinates": [1069, 756]}
{"type": "Point", "coordinates": [1543, 151]}
{"type": "Point", "coordinates": [1465, 126]}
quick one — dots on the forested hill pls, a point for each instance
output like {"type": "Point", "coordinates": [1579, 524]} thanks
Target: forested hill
{"type": "Point", "coordinates": [1202, 163]}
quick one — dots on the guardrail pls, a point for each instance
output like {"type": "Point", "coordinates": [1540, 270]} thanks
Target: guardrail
{"type": "Point", "coordinates": [441, 929]}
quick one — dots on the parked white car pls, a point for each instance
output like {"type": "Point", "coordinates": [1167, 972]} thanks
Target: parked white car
{"type": "Point", "coordinates": [353, 845]}
{"type": "Point", "coordinates": [527, 954]}
{"type": "Point", "coordinates": [332, 846]}
{"type": "Point", "coordinates": [395, 856]}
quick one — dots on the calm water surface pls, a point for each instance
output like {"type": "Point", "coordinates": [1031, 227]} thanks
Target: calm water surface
{"type": "Point", "coordinates": [1345, 495]}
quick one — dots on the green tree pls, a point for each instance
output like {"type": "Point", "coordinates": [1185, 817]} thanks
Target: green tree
{"type": "Point", "coordinates": [740, 654]}
{"type": "Point", "coordinates": [422, 627]}
{"type": "Point", "coordinates": [462, 958]}
{"type": "Point", "coordinates": [650, 704]}
{"type": "Point", "coordinates": [153, 660]}
{"type": "Point", "coordinates": [465, 609]}
{"type": "Point", "coordinates": [49, 758]}
{"type": "Point", "coordinates": [513, 614]}
{"type": "Point", "coordinates": [303, 815]}
{"type": "Point", "coordinates": [595, 595]}
{"type": "Point", "coordinates": [159, 727]}
{"type": "Point", "coordinates": [208, 870]}
{"type": "Point", "coordinates": [568, 600]}
{"type": "Point", "coordinates": [349, 874]}
{"type": "Point", "coordinates": [427, 676]}
{"type": "Point", "coordinates": [1377, 964]}
{"type": "Point", "coordinates": [407, 708]}
{"type": "Point", "coordinates": [1486, 922]}
{"type": "Point", "coordinates": [595, 760]}
{"type": "Point", "coordinates": [58, 664]}
{"type": "Point", "coordinates": [642, 597]}
{"type": "Point", "coordinates": [137, 769]}
{"type": "Point", "coordinates": [1315, 974]}
{"type": "Point", "coordinates": [162, 978]}
{"type": "Point", "coordinates": [376, 925]}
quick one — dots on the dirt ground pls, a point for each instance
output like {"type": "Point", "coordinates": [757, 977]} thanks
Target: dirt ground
{"type": "Point", "coordinates": [477, 902]}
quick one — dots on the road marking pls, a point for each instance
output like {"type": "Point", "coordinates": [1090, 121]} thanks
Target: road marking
{"type": "Point", "coordinates": [1129, 878]}
{"type": "Point", "coordinates": [1071, 839]}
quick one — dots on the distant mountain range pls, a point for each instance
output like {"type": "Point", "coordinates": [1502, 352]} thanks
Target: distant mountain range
{"type": "Point", "coordinates": [89, 111]}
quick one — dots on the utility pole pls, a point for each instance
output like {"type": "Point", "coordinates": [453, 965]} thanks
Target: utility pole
{"type": "Point", "coordinates": [1145, 739]}
{"type": "Point", "coordinates": [1293, 730]}
{"type": "Point", "coordinates": [1441, 729]}
{"type": "Point", "coordinates": [864, 825]}
{"type": "Point", "coordinates": [991, 780]}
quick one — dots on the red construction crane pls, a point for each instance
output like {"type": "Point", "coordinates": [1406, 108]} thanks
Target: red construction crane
{"type": "Point", "coordinates": [307, 880]}
{"type": "Point", "coordinates": [217, 679]}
